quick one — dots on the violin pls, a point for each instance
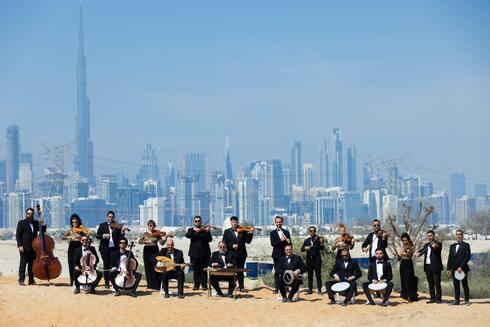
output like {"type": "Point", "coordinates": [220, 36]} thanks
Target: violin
{"type": "Point", "coordinates": [204, 227]}
{"type": "Point", "coordinates": [87, 264]}
{"type": "Point", "coordinates": [160, 234]}
{"type": "Point", "coordinates": [116, 225]}
{"type": "Point", "coordinates": [46, 266]}
{"type": "Point", "coordinates": [248, 229]}
{"type": "Point", "coordinates": [126, 279]}
{"type": "Point", "coordinates": [381, 233]}
{"type": "Point", "coordinates": [347, 238]}
{"type": "Point", "coordinates": [81, 230]}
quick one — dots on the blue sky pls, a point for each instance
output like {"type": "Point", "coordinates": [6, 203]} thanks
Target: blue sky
{"type": "Point", "coordinates": [396, 77]}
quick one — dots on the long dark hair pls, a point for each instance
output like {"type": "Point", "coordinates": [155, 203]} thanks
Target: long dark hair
{"type": "Point", "coordinates": [77, 218]}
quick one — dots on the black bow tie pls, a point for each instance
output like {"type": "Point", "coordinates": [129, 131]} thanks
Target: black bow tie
{"type": "Point", "coordinates": [346, 261]}
{"type": "Point", "coordinates": [379, 262]}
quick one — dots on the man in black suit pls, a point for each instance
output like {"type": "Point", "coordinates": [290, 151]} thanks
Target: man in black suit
{"type": "Point", "coordinates": [199, 252]}
{"type": "Point", "coordinates": [117, 267]}
{"type": "Point", "coordinates": [432, 266]}
{"type": "Point", "coordinates": [313, 246]}
{"type": "Point", "coordinates": [176, 256]}
{"type": "Point", "coordinates": [294, 263]}
{"type": "Point", "coordinates": [27, 230]}
{"type": "Point", "coordinates": [222, 259]}
{"type": "Point", "coordinates": [109, 239]}
{"type": "Point", "coordinates": [457, 261]}
{"type": "Point", "coordinates": [279, 238]}
{"type": "Point", "coordinates": [80, 252]}
{"type": "Point", "coordinates": [379, 272]}
{"type": "Point", "coordinates": [377, 239]}
{"type": "Point", "coordinates": [236, 243]}
{"type": "Point", "coordinates": [344, 270]}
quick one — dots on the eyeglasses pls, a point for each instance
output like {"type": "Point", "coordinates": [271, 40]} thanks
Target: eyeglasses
{"type": "Point", "coordinates": [197, 221]}
{"type": "Point", "coordinates": [376, 225]}
{"type": "Point", "coordinates": [123, 243]}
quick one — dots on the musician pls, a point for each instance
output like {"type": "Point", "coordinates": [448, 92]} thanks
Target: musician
{"type": "Point", "coordinates": [109, 239]}
{"type": "Point", "coordinates": [313, 246]}
{"type": "Point", "coordinates": [116, 267]}
{"type": "Point", "coordinates": [432, 266]}
{"type": "Point", "coordinates": [292, 262]}
{"type": "Point", "coordinates": [79, 255]}
{"type": "Point", "coordinates": [27, 230]}
{"type": "Point", "coordinates": [344, 270]}
{"type": "Point", "coordinates": [177, 256]}
{"type": "Point", "coordinates": [377, 239]}
{"type": "Point", "coordinates": [409, 282]}
{"type": "Point", "coordinates": [279, 238]}
{"type": "Point", "coordinates": [223, 259]}
{"type": "Point", "coordinates": [199, 252]}
{"type": "Point", "coordinates": [343, 241]}
{"type": "Point", "coordinates": [379, 272]}
{"type": "Point", "coordinates": [236, 243]}
{"type": "Point", "coordinates": [457, 261]}
{"type": "Point", "coordinates": [74, 235]}
{"type": "Point", "coordinates": [151, 239]}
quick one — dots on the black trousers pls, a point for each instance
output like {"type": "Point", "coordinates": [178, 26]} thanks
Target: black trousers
{"type": "Point", "coordinates": [113, 275]}
{"type": "Point", "coordinates": [240, 263]}
{"type": "Point", "coordinates": [457, 288]}
{"type": "Point", "coordinates": [200, 276]}
{"type": "Point", "coordinates": [26, 259]}
{"type": "Point", "coordinates": [276, 273]}
{"type": "Point", "coordinates": [386, 296]}
{"type": "Point", "coordinates": [317, 269]}
{"type": "Point", "coordinates": [174, 274]}
{"type": "Point", "coordinates": [72, 246]}
{"type": "Point", "coordinates": [215, 282]}
{"type": "Point", "coordinates": [434, 281]}
{"type": "Point", "coordinates": [106, 259]}
{"type": "Point", "coordinates": [347, 293]}
{"type": "Point", "coordinates": [92, 286]}
{"type": "Point", "coordinates": [408, 280]}
{"type": "Point", "coordinates": [152, 277]}
{"type": "Point", "coordinates": [282, 287]}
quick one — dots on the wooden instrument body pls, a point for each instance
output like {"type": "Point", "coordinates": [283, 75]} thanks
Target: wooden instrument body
{"type": "Point", "coordinates": [89, 274]}
{"type": "Point", "coordinates": [126, 278]}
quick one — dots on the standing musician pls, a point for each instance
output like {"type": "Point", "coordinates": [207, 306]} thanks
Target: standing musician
{"type": "Point", "coordinates": [79, 255]}
{"type": "Point", "coordinates": [313, 246]}
{"type": "Point", "coordinates": [117, 267]}
{"type": "Point", "coordinates": [408, 280]}
{"type": "Point", "coordinates": [109, 233]}
{"type": "Point", "coordinates": [77, 230]}
{"type": "Point", "coordinates": [279, 238]}
{"type": "Point", "coordinates": [150, 239]}
{"type": "Point", "coordinates": [432, 266]}
{"type": "Point", "coordinates": [343, 241]}
{"type": "Point", "coordinates": [377, 239]}
{"type": "Point", "coordinates": [235, 243]}
{"type": "Point", "coordinates": [27, 230]}
{"type": "Point", "coordinates": [294, 263]}
{"type": "Point", "coordinates": [176, 256]}
{"type": "Point", "coordinates": [457, 262]}
{"type": "Point", "coordinates": [223, 259]}
{"type": "Point", "coordinates": [344, 270]}
{"type": "Point", "coordinates": [379, 272]}
{"type": "Point", "coordinates": [199, 252]}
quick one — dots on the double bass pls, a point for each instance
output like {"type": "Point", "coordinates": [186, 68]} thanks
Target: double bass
{"type": "Point", "coordinates": [46, 266]}
{"type": "Point", "coordinates": [87, 263]}
{"type": "Point", "coordinates": [126, 278]}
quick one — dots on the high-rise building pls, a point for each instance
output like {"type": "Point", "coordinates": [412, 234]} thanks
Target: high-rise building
{"type": "Point", "coordinates": [324, 169]}
{"type": "Point", "coordinates": [286, 173]}
{"type": "Point", "coordinates": [128, 201]}
{"type": "Point", "coordinates": [464, 209]}
{"type": "Point", "coordinates": [24, 182]}
{"type": "Point", "coordinates": [228, 166]}
{"type": "Point", "coordinates": [352, 169]}
{"type": "Point", "coordinates": [193, 165]}
{"type": "Point", "coordinates": [307, 178]}
{"type": "Point", "coordinates": [152, 208]}
{"type": "Point", "coordinates": [441, 213]}
{"type": "Point", "coordinates": [296, 164]}
{"type": "Point", "coordinates": [393, 179]}
{"type": "Point", "coordinates": [16, 204]}
{"type": "Point", "coordinates": [91, 209]}
{"type": "Point", "coordinates": [410, 187]}
{"type": "Point", "coordinates": [352, 208]}
{"type": "Point", "coordinates": [274, 187]}
{"type": "Point", "coordinates": [13, 157]}
{"type": "Point", "coordinates": [337, 163]}
{"type": "Point", "coordinates": [84, 158]}
{"type": "Point", "coordinates": [149, 167]}
{"type": "Point", "coordinates": [108, 188]}
{"type": "Point", "coordinates": [458, 186]}
{"type": "Point", "coordinates": [374, 200]}
{"type": "Point", "coordinates": [248, 193]}
{"type": "Point", "coordinates": [3, 172]}
{"type": "Point", "coordinates": [481, 190]}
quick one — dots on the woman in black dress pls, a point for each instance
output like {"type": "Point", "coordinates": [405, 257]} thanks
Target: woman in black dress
{"type": "Point", "coordinates": [409, 281]}
{"type": "Point", "coordinates": [77, 230]}
{"type": "Point", "coordinates": [150, 239]}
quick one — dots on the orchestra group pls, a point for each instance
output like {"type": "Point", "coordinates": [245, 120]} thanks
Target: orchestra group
{"type": "Point", "coordinates": [119, 264]}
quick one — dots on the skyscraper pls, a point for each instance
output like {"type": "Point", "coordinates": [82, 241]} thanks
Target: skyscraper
{"type": "Point", "coordinates": [13, 157]}
{"type": "Point", "coordinates": [149, 167]}
{"type": "Point", "coordinates": [337, 164]}
{"type": "Point", "coordinates": [481, 189]}
{"type": "Point", "coordinates": [296, 164]}
{"type": "Point", "coordinates": [352, 168]}
{"type": "Point", "coordinates": [228, 168]}
{"type": "Point", "coordinates": [324, 171]}
{"type": "Point", "coordinates": [193, 165]}
{"type": "Point", "coordinates": [458, 186]}
{"type": "Point", "coordinates": [84, 158]}
{"type": "Point", "coordinates": [308, 178]}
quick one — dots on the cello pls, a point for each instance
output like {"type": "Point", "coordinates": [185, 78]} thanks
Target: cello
{"type": "Point", "coordinates": [87, 262]}
{"type": "Point", "coordinates": [126, 279]}
{"type": "Point", "coordinates": [46, 266]}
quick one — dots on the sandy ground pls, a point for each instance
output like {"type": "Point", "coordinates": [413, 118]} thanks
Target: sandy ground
{"type": "Point", "coordinates": [55, 305]}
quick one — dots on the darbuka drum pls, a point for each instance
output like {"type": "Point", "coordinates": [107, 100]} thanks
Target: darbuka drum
{"type": "Point", "coordinates": [340, 287]}
{"type": "Point", "coordinates": [288, 277]}
{"type": "Point", "coordinates": [378, 287]}
{"type": "Point", "coordinates": [459, 275]}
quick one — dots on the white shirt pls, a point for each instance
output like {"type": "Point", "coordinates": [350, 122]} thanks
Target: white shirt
{"type": "Point", "coordinates": [172, 256]}
{"type": "Point", "coordinates": [224, 259]}
{"type": "Point", "coordinates": [457, 247]}
{"type": "Point", "coordinates": [429, 251]}
{"type": "Point", "coordinates": [32, 226]}
{"type": "Point", "coordinates": [111, 241]}
{"type": "Point", "coordinates": [374, 244]}
{"type": "Point", "coordinates": [289, 260]}
{"type": "Point", "coordinates": [346, 263]}
{"type": "Point", "coordinates": [379, 270]}
{"type": "Point", "coordinates": [236, 233]}
{"type": "Point", "coordinates": [280, 233]}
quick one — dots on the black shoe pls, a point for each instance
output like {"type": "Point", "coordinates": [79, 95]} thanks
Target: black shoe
{"type": "Point", "coordinates": [455, 303]}
{"type": "Point", "coordinates": [195, 288]}
{"type": "Point", "coordinates": [384, 303]}
{"type": "Point", "coordinates": [438, 301]}
{"type": "Point", "coordinates": [231, 296]}
{"type": "Point", "coordinates": [309, 292]}
{"type": "Point", "coordinates": [220, 294]}
{"type": "Point", "coordinates": [21, 283]}
{"type": "Point", "coordinates": [76, 290]}
{"type": "Point", "coordinates": [180, 296]}
{"type": "Point", "coordinates": [92, 291]}
{"type": "Point", "coordinates": [431, 301]}
{"type": "Point", "coordinates": [166, 295]}
{"type": "Point", "coordinates": [284, 299]}
{"type": "Point", "coordinates": [133, 294]}
{"type": "Point", "coordinates": [106, 285]}
{"type": "Point", "coordinates": [204, 288]}
{"type": "Point", "coordinates": [371, 303]}
{"type": "Point", "coordinates": [467, 302]}
{"type": "Point", "coordinates": [343, 303]}
{"type": "Point", "coordinates": [332, 302]}
{"type": "Point", "coordinates": [32, 282]}
{"type": "Point", "coordinates": [117, 293]}
{"type": "Point", "coordinates": [290, 299]}
{"type": "Point", "coordinates": [320, 292]}
{"type": "Point", "coordinates": [242, 290]}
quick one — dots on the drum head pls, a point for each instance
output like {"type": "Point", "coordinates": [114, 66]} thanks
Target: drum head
{"type": "Point", "coordinates": [459, 275]}
{"type": "Point", "coordinates": [340, 286]}
{"type": "Point", "coordinates": [288, 277]}
{"type": "Point", "coordinates": [377, 287]}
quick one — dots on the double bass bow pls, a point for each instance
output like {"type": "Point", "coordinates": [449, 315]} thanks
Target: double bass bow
{"type": "Point", "coordinates": [46, 266]}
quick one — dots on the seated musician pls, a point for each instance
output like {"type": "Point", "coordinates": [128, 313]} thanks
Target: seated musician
{"type": "Point", "coordinates": [79, 255]}
{"type": "Point", "coordinates": [117, 267]}
{"type": "Point", "coordinates": [290, 262]}
{"type": "Point", "coordinates": [177, 256]}
{"type": "Point", "coordinates": [379, 272]}
{"type": "Point", "coordinates": [222, 259]}
{"type": "Point", "coordinates": [344, 270]}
